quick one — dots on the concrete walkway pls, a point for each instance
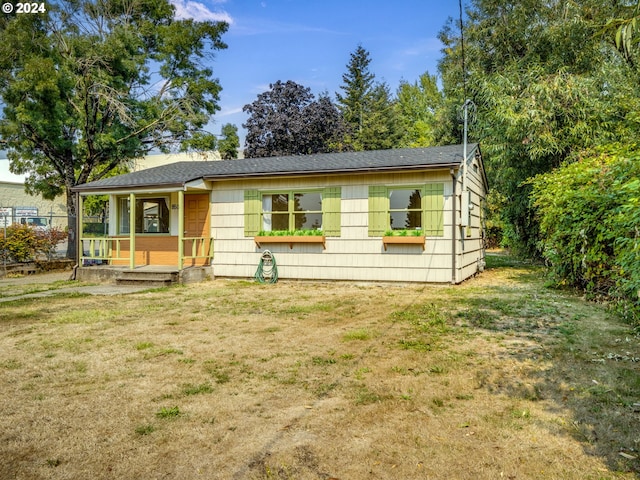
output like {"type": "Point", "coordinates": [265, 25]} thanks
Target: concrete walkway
{"type": "Point", "coordinates": [44, 279]}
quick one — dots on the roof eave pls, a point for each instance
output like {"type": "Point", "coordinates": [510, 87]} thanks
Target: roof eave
{"type": "Point", "coordinates": [336, 171]}
{"type": "Point", "coordinates": [103, 190]}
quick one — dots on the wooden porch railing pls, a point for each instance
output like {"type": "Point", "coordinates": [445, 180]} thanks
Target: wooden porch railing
{"type": "Point", "coordinates": [109, 248]}
{"type": "Point", "coordinates": [197, 247]}
{"type": "Point", "coordinates": [102, 248]}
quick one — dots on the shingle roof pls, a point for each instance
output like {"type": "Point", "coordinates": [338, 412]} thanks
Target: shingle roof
{"type": "Point", "coordinates": [180, 173]}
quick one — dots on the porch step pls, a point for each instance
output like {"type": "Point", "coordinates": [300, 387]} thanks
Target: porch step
{"type": "Point", "coordinates": [159, 279]}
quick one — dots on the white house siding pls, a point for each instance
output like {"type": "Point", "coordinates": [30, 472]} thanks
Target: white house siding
{"type": "Point", "coordinates": [352, 256]}
{"type": "Point", "coordinates": [470, 242]}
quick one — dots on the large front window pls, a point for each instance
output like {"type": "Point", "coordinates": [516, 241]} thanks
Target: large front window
{"type": "Point", "coordinates": [289, 211]}
{"type": "Point", "coordinates": [152, 215]}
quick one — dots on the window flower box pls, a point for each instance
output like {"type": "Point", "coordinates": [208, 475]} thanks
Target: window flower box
{"type": "Point", "coordinates": [403, 240]}
{"type": "Point", "coordinates": [289, 239]}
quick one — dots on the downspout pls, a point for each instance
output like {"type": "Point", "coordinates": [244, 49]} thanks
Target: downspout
{"type": "Point", "coordinates": [454, 227]}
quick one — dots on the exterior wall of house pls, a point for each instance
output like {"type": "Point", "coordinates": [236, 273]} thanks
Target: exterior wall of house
{"type": "Point", "coordinates": [470, 240]}
{"type": "Point", "coordinates": [354, 255]}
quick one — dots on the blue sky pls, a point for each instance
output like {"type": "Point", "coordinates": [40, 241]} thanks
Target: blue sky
{"type": "Point", "coordinates": [310, 41]}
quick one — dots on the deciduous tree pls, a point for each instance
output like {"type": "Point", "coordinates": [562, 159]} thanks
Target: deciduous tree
{"type": "Point", "coordinates": [287, 120]}
{"type": "Point", "coordinates": [418, 104]}
{"type": "Point", "coordinates": [91, 83]}
{"type": "Point", "coordinates": [545, 85]}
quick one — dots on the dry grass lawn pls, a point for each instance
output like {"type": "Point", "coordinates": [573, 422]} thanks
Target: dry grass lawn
{"type": "Point", "coordinates": [496, 378]}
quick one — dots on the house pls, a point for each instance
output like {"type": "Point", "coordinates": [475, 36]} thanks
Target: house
{"type": "Point", "coordinates": [412, 215]}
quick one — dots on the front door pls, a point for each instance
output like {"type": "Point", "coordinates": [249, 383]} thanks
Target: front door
{"type": "Point", "coordinates": [196, 215]}
{"type": "Point", "coordinates": [196, 227]}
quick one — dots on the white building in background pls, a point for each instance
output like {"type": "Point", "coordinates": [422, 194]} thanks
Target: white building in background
{"type": "Point", "coordinates": [157, 160]}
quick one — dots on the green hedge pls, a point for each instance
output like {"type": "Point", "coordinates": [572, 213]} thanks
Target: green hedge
{"type": "Point", "coordinates": [589, 214]}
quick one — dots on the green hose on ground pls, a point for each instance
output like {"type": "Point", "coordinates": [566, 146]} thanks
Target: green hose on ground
{"type": "Point", "coordinates": [267, 267]}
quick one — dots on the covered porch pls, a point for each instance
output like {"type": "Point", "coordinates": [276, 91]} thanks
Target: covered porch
{"type": "Point", "coordinates": [159, 232]}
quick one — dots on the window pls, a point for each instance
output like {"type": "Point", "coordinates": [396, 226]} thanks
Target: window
{"type": "Point", "coordinates": [152, 215]}
{"type": "Point", "coordinates": [293, 210]}
{"type": "Point", "coordinates": [406, 208]}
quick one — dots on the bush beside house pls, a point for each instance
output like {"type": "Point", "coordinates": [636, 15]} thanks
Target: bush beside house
{"type": "Point", "coordinates": [589, 214]}
{"type": "Point", "coordinates": [23, 243]}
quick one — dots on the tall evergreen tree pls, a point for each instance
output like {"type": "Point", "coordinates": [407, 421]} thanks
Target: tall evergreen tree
{"type": "Point", "coordinates": [367, 107]}
{"type": "Point", "coordinates": [357, 86]}
{"type": "Point", "coordinates": [381, 126]}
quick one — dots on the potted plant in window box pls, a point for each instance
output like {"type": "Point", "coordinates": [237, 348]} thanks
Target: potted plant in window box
{"type": "Point", "coordinates": [290, 237]}
{"type": "Point", "coordinates": [403, 237]}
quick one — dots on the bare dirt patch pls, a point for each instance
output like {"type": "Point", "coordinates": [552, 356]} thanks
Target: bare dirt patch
{"type": "Point", "coordinates": [495, 378]}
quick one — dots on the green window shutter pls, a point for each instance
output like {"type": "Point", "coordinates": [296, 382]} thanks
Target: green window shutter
{"type": "Point", "coordinates": [252, 209]}
{"type": "Point", "coordinates": [378, 210]}
{"type": "Point", "coordinates": [331, 197]}
{"type": "Point", "coordinates": [432, 208]}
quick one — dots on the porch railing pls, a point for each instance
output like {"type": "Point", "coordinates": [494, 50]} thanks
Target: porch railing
{"type": "Point", "coordinates": [109, 248]}
{"type": "Point", "coordinates": [197, 247]}
{"type": "Point", "coordinates": [103, 248]}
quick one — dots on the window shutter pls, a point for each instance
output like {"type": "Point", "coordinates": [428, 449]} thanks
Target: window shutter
{"type": "Point", "coordinates": [432, 208]}
{"type": "Point", "coordinates": [378, 210]}
{"type": "Point", "coordinates": [331, 197]}
{"type": "Point", "coordinates": [252, 207]}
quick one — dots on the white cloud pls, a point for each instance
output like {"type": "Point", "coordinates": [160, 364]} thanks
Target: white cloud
{"type": "Point", "coordinates": [198, 11]}
{"type": "Point", "coordinates": [230, 111]}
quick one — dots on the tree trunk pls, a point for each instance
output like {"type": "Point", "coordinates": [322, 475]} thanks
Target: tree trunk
{"type": "Point", "coordinates": [72, 238]}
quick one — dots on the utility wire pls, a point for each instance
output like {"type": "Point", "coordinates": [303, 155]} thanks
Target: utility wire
{"type": "Point", "coordinates": [464, 69]}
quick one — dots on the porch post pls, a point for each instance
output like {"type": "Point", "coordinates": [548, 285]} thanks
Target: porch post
{"type": "Point", "coordinates": [180, 229]}
{"type": "Point", "coordinates": [132, 231]}
{"type": "Point", "coordinates": [79, 221]}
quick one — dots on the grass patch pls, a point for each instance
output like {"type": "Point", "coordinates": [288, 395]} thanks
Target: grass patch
{"type": "Point", "coordinates": [365, 396]}
{"type": "Point", "coordinates": [323, 361]}
{"type": "Point", "coordinates": [190, 389]}
{"type": "Point", "coordinates": [358, 335]}
{"type": "Point", "coordinates": [146, 429]}
{"type": "Point", "coordinates": [168, 412]}
{"type": "Point", "coordinates": [496, 377]}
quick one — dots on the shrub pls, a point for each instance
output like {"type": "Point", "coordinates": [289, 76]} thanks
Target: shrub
{"type": "Point", "coordinates": [23, 243]}
{"type": "Point", "coordinates": [589, 214]}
